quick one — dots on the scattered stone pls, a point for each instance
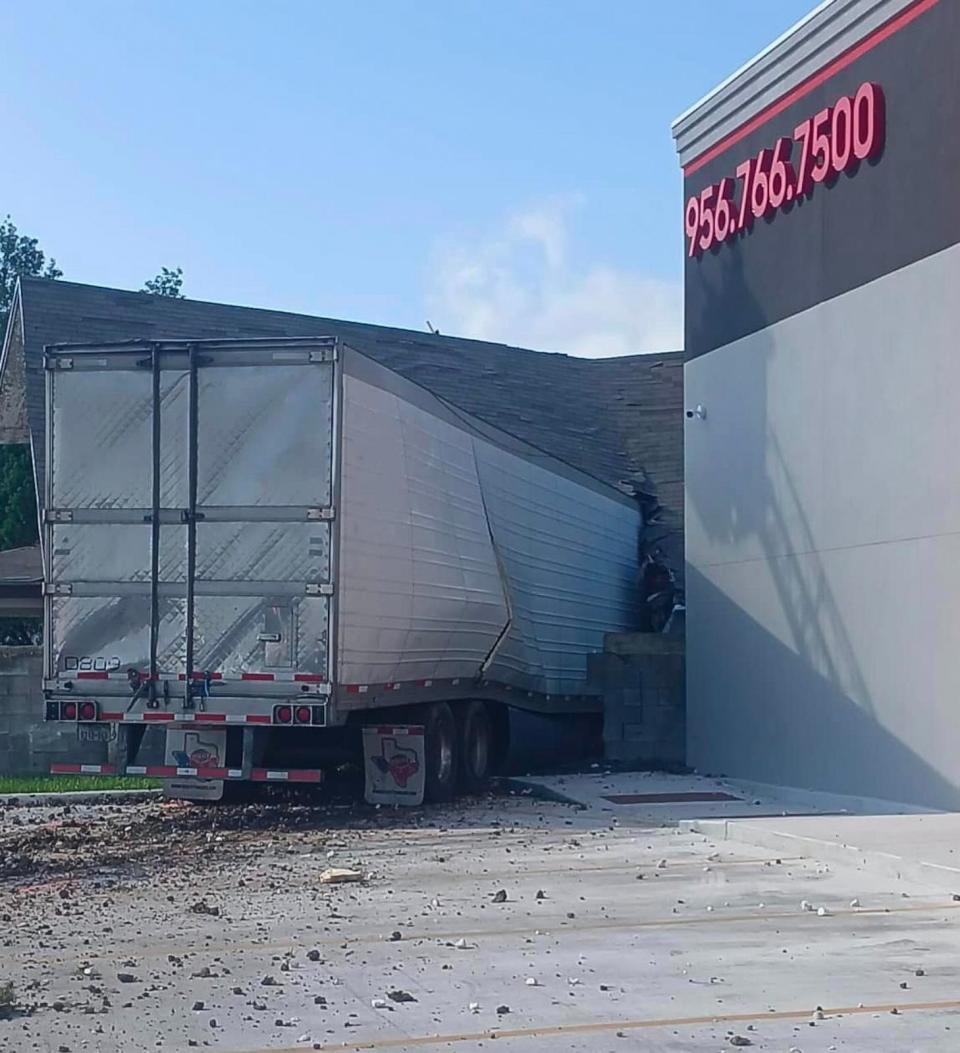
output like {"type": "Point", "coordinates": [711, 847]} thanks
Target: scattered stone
{"type": "Point", "coordinates": [400, 996]}
{"type": "Point", "coordinates": [126, 978]}
{"type": "Point", "coordinates": [919, 972]}
{"type": "Point", "coordinates": [319, 1000]}
{"type": "Point", "coordinates": [340, 875]}
{"type": "Point", "coordinates": [202, 907]}
{"type": "Point", "coordinates": [379, 1003]}
{"type": "Point", "coordinates": [197, 1006]}
{"type": "Point", "coordinates": [855, 902]}
{"type": "Point", "coordinates": [502, 1009]}
{"type": "Point", "coordinates": [740, 1040]}
{"type": "Point", "coordinates": [531, 981]}
{"type": "Point", "coordinates": [500, 896]}
{"type": "Point", "coordinates": [904, 985]}
{"type": "Point", "coordinates": [541, 894]}
{"type": "Point", "coordinates": [269, 981]}
{"type": "Point", "coordinates": [313, 955]}
{"type": "Point", "coordinates": [395, 936]}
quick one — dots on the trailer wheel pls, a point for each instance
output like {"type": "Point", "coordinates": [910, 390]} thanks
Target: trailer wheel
{"type": "Point", "coordinates": [476, 744]}
{"type": "Point", "coordinates": [441, 753]}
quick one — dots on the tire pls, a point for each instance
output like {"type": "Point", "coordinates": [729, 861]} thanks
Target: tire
{"type": "Point", "coordinates": [441, 750]}
{"type": "Point", "coordinates": [476, 747]}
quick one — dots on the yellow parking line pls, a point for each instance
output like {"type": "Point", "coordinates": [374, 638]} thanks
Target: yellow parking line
{"type": "Point", "coordinates": [603, 1026]}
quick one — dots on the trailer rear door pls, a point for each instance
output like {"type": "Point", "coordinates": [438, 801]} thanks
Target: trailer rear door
{"type": "Point", "coordinates": [189, 516]}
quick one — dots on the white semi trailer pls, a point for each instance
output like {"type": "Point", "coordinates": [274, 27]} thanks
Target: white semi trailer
{"type": "Point", "coordinates": [262, 545]}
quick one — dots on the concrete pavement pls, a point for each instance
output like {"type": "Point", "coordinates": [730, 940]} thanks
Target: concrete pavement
{"type": "Point", "coordinates": [154, 927]}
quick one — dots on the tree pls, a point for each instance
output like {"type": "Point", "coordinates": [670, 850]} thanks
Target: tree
{"type": "Point", "coordinates": [167, 283]}
{"type": "Point", "coordinates": [20, 256]}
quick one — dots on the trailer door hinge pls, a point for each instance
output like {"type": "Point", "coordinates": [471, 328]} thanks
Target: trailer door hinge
{"type": "Point", "coordinates": [58, 362]}
{"type": "Point", "coordinates": [319, 589]}
{"type": "Point", "coordinates": [321, 513]}
{"type": "Point", "coordinates": [59, 515]}
{"type": "Point", "coordinates": [57, 588]}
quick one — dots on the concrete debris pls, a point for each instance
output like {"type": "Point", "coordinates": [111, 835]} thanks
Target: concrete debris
{"type": "Point", "coordinates": [203, 907]}
{"type": "Point", "coordinates": [818, 1014]}
{"type": "Point", "coordinates": [740, 1040]}
{"type": "Point", "coordinates": [126, 978]}
{"type": "Point", "coordinates": [805, 905]}
{"type": "Point", "coordinates": [313, 955]}
{"type": "Point", "coordinates": [500, 896]}
{"type": "Point", "coordinates": [541, 894]}
{"type": "Point", "coordinates": [531, 981]}
{"type": "Point", "coordinates": [919, 972]}
{"type": "Point", "coordinates": [395, 936]}
{"type": "Point", "coordinates": [822, 912]}
{"type": "Point", "coordinates": [400, 996]}
{"type": "Point", "coordinates": [340, 876]}
{"type": "Point", "coordinates": [502, 1010]}
{"type": "Point", "coordinates": [474, 1007]}
{"type": "Point", "coordinates": [662, 865]}
{"type": "Point", "coordinates": [854, 902]}
{"type": "Point", "coordinates": [379, 1003]}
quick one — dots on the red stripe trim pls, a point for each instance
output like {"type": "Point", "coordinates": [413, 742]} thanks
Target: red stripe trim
{"type": "Point", "coordinates": [309, 678]}
{"type": "Point", "coordinates": [259, 718]}
{"type": "Point", "coordinates": [93, 676]}
{"type": "Point", "coordinates": [210, 717]}
{"type": "Point", "coordinates": [256, 676]}
{"type": "Point", "coordinates": [111, 716]}
{"type": "Point", "coordinates": [200, 676]}
{"type": "Point", "coordinates": [165, 771]}
{"type": "Point", "coordinates": [856, 51]}
{"type": "Point", "coordinates": [159, 716]}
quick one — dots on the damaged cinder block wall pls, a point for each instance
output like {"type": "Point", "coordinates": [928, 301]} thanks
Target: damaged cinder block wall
{"type": "Point", "coordinates": [641, 676]}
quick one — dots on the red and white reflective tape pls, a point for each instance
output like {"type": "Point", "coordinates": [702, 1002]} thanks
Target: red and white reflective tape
{"type": "Point", "coordinates": [83, 769]}
{"type": "Point", "coordinates": [282, 677]}
{"type": "Point", "coordinates": [166, 771]}
{"type": "Point", "coordinates": [151, 715]}
{"type": "Point", "coordinates": [294, 775]}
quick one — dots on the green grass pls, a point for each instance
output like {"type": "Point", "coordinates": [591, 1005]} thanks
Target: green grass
{"type": "Point", "coordinates": [73, 783]}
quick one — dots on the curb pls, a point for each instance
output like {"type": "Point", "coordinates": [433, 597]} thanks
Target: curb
{"type": "Point", "coordinates": [539, 792]}
{"type": "Point", "coordinates": [883, 864]}
{"type": "Point", "coordinates": [39, 800]}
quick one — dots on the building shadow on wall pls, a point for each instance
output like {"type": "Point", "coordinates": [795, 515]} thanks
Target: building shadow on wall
{"type": "Point", "coordinates": [798, 724]}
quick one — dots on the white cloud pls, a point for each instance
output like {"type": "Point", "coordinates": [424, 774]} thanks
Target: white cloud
{"type": "Point", "coordinates": [520, 286]}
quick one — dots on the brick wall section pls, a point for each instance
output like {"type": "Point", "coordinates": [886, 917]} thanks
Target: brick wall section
{"type": "Point", "coordinates": [644, 698]}
{"type": "Point", "coordinates": [28, 745]}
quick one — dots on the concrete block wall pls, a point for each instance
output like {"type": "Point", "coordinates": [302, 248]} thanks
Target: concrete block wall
{"type": "Point", "coordinates": [28, 745]}
{"type": "Point", "coordinates": [644, 695]}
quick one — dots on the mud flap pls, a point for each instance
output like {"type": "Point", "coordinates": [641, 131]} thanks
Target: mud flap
{"type": "Point", "coordinates": [195, 748]}
{"type": "Point", "coordinates": [394, 764]}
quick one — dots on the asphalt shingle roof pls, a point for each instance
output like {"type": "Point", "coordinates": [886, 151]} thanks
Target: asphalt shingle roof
{"type": "Point", "coordinates": [619, 419]}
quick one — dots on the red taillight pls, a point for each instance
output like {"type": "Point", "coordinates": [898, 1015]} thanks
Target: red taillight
{"type": "Point", "coordinates": [303, 714]}
{"type": "Point", "coordinates": [69, 711]}
{"type": "Point", "coordinates": [88, 711]}
{"type": "Point", "coordinates": [283, 714]}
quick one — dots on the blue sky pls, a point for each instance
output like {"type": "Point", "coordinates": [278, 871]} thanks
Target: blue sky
{"type": "Point", "coordinates": [502, 169]}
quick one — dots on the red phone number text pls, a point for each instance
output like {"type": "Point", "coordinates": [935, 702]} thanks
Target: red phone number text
{"type": "Point", "coordinates": [836, 140]}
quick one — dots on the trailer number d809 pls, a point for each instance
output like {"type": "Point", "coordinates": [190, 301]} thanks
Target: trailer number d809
{"type": "Point", "coordinates": [88, 664]}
